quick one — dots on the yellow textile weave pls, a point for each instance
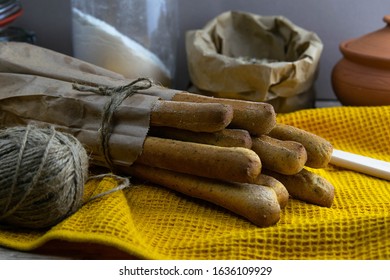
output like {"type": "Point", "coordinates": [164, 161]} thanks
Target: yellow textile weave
{"type": "Point", "coordinates": [151, 222]}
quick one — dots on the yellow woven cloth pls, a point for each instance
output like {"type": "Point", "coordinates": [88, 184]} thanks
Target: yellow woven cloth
{"type": "Point", "coordinates": [151, 222]}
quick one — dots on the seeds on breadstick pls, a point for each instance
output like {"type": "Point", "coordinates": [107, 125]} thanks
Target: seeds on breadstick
{"type": "Point", "coordinates": [225, 163]}
{"type": "Point", "coordinates": [286, 157]}
{"type": "Point", "coordinates": [280, 190]}
{"type": "Point", "coordinates": [307, 186]}
{"type": "Point", "coordinates": [258, 204]}
{"type": "Point", "coordinates": [207, 117]}
{"type": "Point", "coordinates": [319, 150]}
{"type": "Point", "coordinates": [256, 117]}
{"type": "Point", "coordinates": [223, 138]}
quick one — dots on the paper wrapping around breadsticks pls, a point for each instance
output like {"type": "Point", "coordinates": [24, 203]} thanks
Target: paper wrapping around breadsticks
{"type": "Point", "coordinates": [36, 87]}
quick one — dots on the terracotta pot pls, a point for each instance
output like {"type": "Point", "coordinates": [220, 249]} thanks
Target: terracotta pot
{"type": "Point", "coordinates": [362, 76]}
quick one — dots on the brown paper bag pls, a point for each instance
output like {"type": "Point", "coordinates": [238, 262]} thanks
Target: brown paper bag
{"type": "Point", "coordinates": [36, 87]}
{"type": "Point", "coordinates": [258, 58]}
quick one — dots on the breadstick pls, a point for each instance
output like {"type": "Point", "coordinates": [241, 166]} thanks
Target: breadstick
{"type": "Point", "coordinates": [280, 190]}
{"type": "Point", "coordinates": [255, 117]}
{"type": "Point", "coordinates": [319, 150]}
{"type": "Point", "coordinates": [223, 138]}
{"type": "Point", "coordinates": [258, 204]}
{"type": "Point", "coordinates": [307, 186]}
{"type": "Point", "coordinates": [226, 163]}
{"type": "Point", "coordinates": [207, 117]}
{"type": "Point", "coordinates": [286, 157]}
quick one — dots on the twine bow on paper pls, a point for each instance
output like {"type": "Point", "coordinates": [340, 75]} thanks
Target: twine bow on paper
{"type": "Point", "coordinates": [118, 95]}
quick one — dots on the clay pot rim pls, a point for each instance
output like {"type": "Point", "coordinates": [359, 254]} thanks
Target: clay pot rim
{"type": "Point", "coordinates": [366, 59]}
{"type": "Point", "coordinates": [369, 60]}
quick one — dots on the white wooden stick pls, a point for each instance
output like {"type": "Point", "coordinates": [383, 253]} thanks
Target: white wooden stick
{"type": "Point", "coordinates": [362, 164]}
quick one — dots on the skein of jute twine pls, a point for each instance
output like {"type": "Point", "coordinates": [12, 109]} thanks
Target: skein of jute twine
{"type": "Point", "coordinates": [42, 176]}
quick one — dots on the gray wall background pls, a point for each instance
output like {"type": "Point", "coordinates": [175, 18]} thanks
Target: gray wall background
{"type": "Point", "coordinates": [333, 20]}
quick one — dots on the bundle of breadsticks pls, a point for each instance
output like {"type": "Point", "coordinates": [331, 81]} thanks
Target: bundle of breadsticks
{"type": "Point", "coordinates": [234, 154]}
